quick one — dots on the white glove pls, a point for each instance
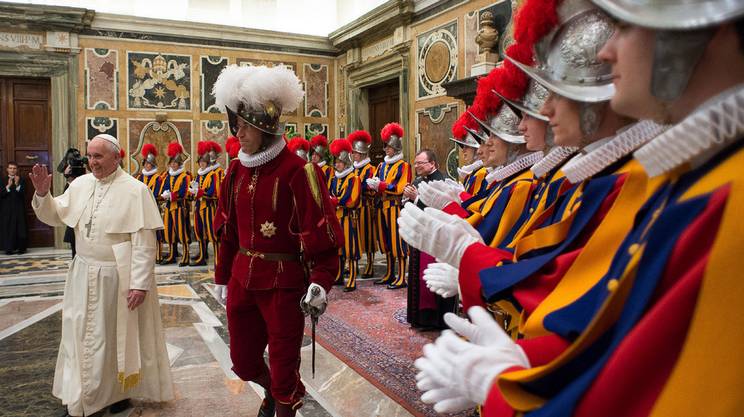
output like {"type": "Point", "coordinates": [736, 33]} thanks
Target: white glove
{"type": "Point", "coordinates": [439, 234]}
{"type": "Point", "coordinates": [373, 183]}
{"type": "Point", "coordinates": [166, 195]}
{"type": "Point", "coordinates": [468, 368]}
{"type": "Point", "coordinates": [452, 184]}
{"type": "Point", "coordinates": [314, 302]}
{"type": "Point", "coordinates": [220, 291]}
{"type": "Point", "coordinates": [194, 187]}
{"type": "Point", "coordinates": [437, 194]}
{"type": "Point", "coordinates": [442, 279]}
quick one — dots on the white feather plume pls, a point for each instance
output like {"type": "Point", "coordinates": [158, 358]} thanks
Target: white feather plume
{"type": "Point", "coordinates": [254, 86]}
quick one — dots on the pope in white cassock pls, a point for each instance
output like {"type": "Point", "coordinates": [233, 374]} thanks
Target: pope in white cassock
{"type": "Point", "coordinates": [112, 346]}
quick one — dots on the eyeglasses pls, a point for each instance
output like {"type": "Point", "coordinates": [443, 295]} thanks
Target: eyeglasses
{"type": "Point", "coordinates": [421, 162]}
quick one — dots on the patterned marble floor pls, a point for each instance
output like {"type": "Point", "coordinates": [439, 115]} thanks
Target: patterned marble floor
{"type": "Point", "coordinates": [30, 312]}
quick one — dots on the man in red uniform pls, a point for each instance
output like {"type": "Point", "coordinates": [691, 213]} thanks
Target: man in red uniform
{"type": "Point", "coordinates": [279, 236]}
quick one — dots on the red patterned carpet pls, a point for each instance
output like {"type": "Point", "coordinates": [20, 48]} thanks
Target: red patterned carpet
{"type": "Point", "coordinates": [367, 329]}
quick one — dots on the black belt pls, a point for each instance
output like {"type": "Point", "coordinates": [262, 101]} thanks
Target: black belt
{"type": "Point", "coordinates": [272, 257]}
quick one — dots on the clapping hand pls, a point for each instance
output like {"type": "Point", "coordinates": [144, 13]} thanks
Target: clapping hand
{"type": "Point", "coordinates": [41, 178]}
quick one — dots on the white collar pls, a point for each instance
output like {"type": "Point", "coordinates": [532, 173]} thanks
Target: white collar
{"type": "Point", "coordinates": [208, 169]}
{"type": "Point", "coordinates": [599, 155]}
{"type": "Point", "coordinates": [393, 159]}
{"type": "Point", "coordinates": [147, 173]}
{"type": "Point", "coordinates": [342, 174]}
{"type": "Point", "coordinates": [555, 157]}
{"type": "Point", "coordinates": [321, 164]}
{"type": "Point", "coordinates": [176, 172]}
{"type": "Point", "coordinates": [110, 177]}
{"type": "Point", "coordinates": [361, 163]}
{"type": "Point", "coordinates": [706, 131]}
{"type": "Point", "coordinates": [469, 169]}
{"type": "Point", "coordinates": [520, 164]}
{"type": "Point", "coordinates": [261, 157]}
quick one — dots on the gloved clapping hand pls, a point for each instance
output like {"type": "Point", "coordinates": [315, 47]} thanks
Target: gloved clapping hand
{"type": "Point", "coordinates": [442, 279]}
{"type": "Point", "coordinates": [439, 234]}
{"type": "Point", "coordinates": [437, 194]}
{"type": "Point", "coordinates": [373, 183]}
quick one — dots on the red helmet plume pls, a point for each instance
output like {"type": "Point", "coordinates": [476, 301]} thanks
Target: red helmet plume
{"type": "Point", "coordinates": [319, 140]}
{"type": "Point", "coordinates": [149, 149]}
{"type": "Point", "coordinates": [214, 146]}
{"type": "Point", "coordinates": [174, 148]}
{"type": "Point", "coordinates": [391, 129]}
{"type": "Point", "coordinates": [232, 146]}
{"type": "Point", "coordinates": [340, 145]}
{"type": "Point", "coordinates": [202, 147]}
{"type": "Point", "coordinates": [364, 136]}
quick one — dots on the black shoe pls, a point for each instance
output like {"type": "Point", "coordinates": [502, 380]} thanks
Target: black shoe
{"type": "Point", "coordinates": [8, 252]}
{"type": "Point", "coordinates": [65, 414]}
{"type": "Point", "coordinates": [167, 261]}
{"type": "Point", "coordinates": [202, 263]}
{"type": "Point", "coordinates": [20, 251]}
{"type": "Point", "coordinates": [338, 282]}
{"type": "Point", "coordinates": [184, 263]}
{"type": "Point", "coordinates": [395, 287]}
{"type": "Point", "coordinates": [370, 275]}
{"type": "Point", "coordinates": [120, 406]}
{"type": "Point", "coordinates": [195, 257]}
{"type": "Point", "coordinates": [349, 289]}
{"type": "Point", "coordinates": [268, 407]}
{"type": "Point", "coordinates": [383, 281]}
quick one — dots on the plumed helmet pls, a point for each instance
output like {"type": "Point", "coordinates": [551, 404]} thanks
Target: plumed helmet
{"type": "Point", "coordinates": [341, 150]}
{"type": "Point", "coordinates": [472, 139]}
{"type": "Point", "coordinates": [571, 67]}
{"type": "Point", "coordinates": [208, 151]}
{"type": "Point", "coordinates": [318, 144]}
{"type": "Point", "coordinates": [504, 125]}
{"type": "Point", "coordinates": [258, 95]}
{"type": "Point", "coordinates": [232, 146]}
{"type": "Point", "coordinates": [149, 153]}
{"type": "Point", "coordinates": [175, 153]}
{"type": "Point", "coordinates": [360, 141]}
{"type": "Point", "coordinates": [392, 135]}
{"type": "Point", "coordinates": [300, 147]}
{"type": "Point", "coordinates": [532, 102]}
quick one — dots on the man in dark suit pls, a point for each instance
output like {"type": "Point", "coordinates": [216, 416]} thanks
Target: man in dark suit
{"type": "Point", "coordinates": [425, 308]}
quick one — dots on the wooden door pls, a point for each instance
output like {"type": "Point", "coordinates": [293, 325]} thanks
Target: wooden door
{"type": "Point", "coordinates": [26, 139]}
{"type": "Point", "coordinates": [384, 107]}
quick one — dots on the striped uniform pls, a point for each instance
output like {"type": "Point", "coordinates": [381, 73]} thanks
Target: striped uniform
{"type": "Point", "coordinates": [176, 223]}
{"type": "Point", "coordinates": [205, 205]}
{"type": "Point", "coordinates": [394, 178]}
{"type": "Point", "coordinates": [154, 182]}
{"type": "Point", "coordinates": [366, 227]}
{"type": "Point", "coordinates": [347, 190]}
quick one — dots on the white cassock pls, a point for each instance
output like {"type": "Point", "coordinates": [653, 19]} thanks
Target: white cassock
{"type": "Point", "coordinates": [108, 353]}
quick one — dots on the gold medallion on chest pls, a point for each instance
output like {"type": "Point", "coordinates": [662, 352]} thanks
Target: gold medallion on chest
{"type": "Point", "coordinates": [268, 229]}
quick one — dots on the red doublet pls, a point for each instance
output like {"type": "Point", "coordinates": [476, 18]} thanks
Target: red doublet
{"type": "Point", "coordinates": [278, 208]}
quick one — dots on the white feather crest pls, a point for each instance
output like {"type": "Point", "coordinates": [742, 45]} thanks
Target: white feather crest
{"type": "Point", "coordinates": [254, 86]}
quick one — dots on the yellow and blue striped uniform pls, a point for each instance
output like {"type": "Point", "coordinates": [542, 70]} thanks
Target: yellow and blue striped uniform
{"type": "Point", "coordinates": [348, 192]}
{"type": "Point", "coordinates": [154, 182]}
{"type": "Point", "coordinates": [366, 226]}
{"type": "Point", "coordinates": [475, 181]}
{"type": "Point", "coordinates": [204, 209]}
{"type": "Point", "coordinates": [395, 176]}
{"type": "Point", "coordinates": [176, 223]}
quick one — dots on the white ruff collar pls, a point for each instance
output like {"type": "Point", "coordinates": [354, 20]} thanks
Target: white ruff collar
{"type": "Point", "coordinates": [261, 157]}
{"type": "Point", "coordinates": [554, 158]}
{"type": "Point", "coordinates": [583, 167]}
{"type": "Point", "coordinates": [342, 174]}
{"type": "Point", "coordinates": [207, 169]}
{"type": "Point", "coordinates": [321, 164]}
{"type": "Point", "coordinates": [147, 173]}
{"type": "Point", "coordinates": [469, 169]}
{"type": "Point", "coordinates": [523, 162]}
{"type": "Point", "coordinates": [706, 131]}
{"type": "Point", "coordinates": [393, 159]}
{"type": "Point", "coordinates": [361, 163]}
{"type": "Point", "coordinates": [176, 172]}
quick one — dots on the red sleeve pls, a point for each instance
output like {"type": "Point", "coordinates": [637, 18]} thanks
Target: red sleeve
{"type": "Point", "coordinates": [456, 210]}
{"type": "Point", "coordinates": [319, 230]}
{"type": "Point", "coordinates": [225, 224]}
{"type": "Point", "coordinates": [543, 349]}
{"type": "Point", "coordinates": [477, 257]}
{"type": "Point", "coordinates": [495, 405]}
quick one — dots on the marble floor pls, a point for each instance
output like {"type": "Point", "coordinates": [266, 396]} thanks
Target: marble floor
{"type": "Point", "coordinates": [194, 323]}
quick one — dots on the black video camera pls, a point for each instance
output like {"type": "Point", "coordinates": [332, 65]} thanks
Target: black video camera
{"type": "Point", "coordinates": [76, 161]}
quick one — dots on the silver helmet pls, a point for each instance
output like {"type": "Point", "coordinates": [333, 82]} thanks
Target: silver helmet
{"type": "Point", "coordinates": [472, 139]}
{"type": "Point", "coordinates": [505, 125]}
{"type": "Point", "coordinates": [571, 67]}
{"type": "Point", "coordinates": [684, 28]}
{"type": "Point", "coordinates": [531, 102]}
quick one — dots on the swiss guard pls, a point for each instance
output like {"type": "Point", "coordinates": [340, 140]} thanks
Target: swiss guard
{"type": "Point", "coordinates": [318, 151]}
{"type": "Point", "coordinates": [367, 226]}
{"type": "Point", "coordinates": [152, 179]}
{"type": "Point", "coordinates": [279, 236]}
{"type": "Point", "coordinates": [176, 212]}
{"type": "Point", "coordinates": [345, 191]}
{"type": "Point", "coordinates": [232, 147]}
{"type": "Point", "coordinates": [300, 147]}
{"type": "Point", "coordinates": [473, 173]}
{"type": "Point", "coordinates": [392, 176]}
{"type": "Point", "coordinates": [205, 190]}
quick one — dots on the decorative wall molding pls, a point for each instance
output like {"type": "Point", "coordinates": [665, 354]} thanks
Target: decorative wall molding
{"type": "Point", "coordinates": [436, 60]}
{"type": "Point", "coordinates": [380, 21]}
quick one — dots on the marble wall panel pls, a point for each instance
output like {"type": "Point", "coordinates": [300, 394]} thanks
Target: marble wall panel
{"type": "Point", "coordinates": [433, 130]}
{"type": "Point", "coordinates": [436, 60]}
{"type": "Point", "coordinates": [158, 81]}
{"type": "Point", "coordinates": [471, 48]}
{"type": "Point", "coordinates": [315, 77]}
{"type": "Point", "coordinates": [290, 129]}
{"type": "Point", "coordinates": [211, 66]}
{"type": "Point", "coordinates": [312, 129]}
{"type": "Point", "coordinates": [101, 79]}
{"type": "Point", "coordinates": [97, 125]}
{"type": "Point", "coordinates": [143, 131]}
